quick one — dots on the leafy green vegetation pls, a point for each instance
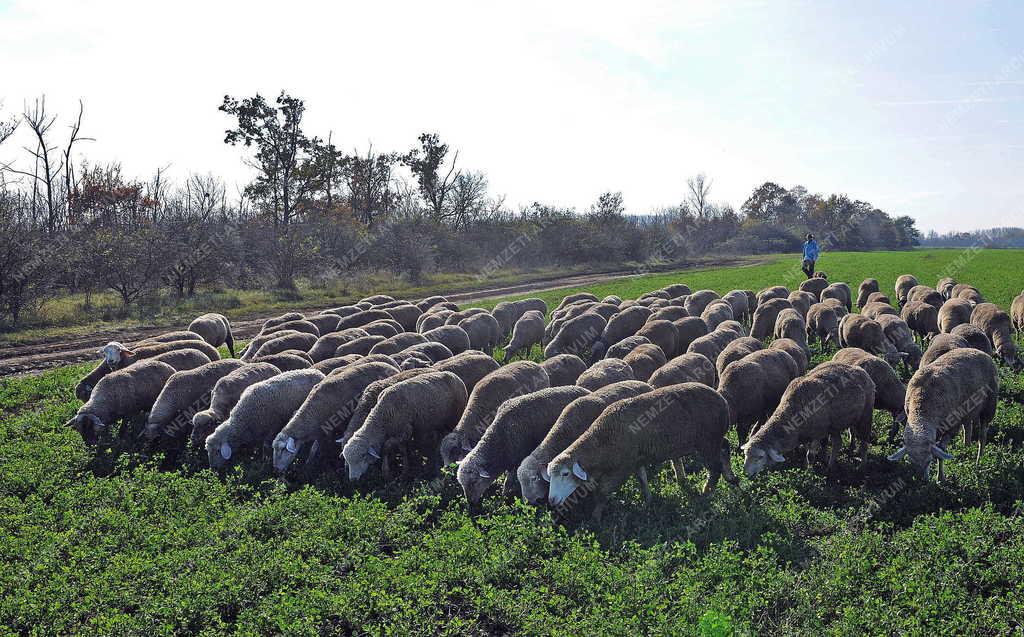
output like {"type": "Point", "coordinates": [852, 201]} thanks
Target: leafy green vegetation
{"type": "Point", "coordinates": [100, 541]}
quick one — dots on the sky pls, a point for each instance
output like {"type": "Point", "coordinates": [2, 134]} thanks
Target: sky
{"type": "Point", "coordinates": [917, 107]}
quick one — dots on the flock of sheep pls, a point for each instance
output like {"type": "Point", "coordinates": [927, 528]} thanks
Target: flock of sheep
{"type": "Point", "coordinates": [624, 385]}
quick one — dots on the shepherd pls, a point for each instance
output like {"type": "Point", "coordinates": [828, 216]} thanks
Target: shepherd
{"type": "Point", "coordinates": [810, 255]}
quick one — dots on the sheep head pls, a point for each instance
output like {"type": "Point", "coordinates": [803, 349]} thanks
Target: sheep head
{"type": "Point", "coordinates": [218, 451]}
{"type": "Point", "coordinates": [203, 424]}
{"type": "Point", "coordinates": [115, 354]}
{"type": "Point", "coordinates": [566, 476]}
{"type": "Point", "coordinates": [474, 479]}
{"type": "Point", "coordinates": [454, 447]}
{"type": "Point", "coordinates": [359, 455]}
{"type": "Point", "coordinates": [533, 480]}
{"type": "Point", "coordinates": [756, 458]}
{"type": "Point", "coordinates": [88, 426]}
{"type": "Point", "coordinates": [285, 448]}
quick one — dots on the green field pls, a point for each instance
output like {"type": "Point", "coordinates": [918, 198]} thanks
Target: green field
{"type": "Point", "coordinates": [100, 541]}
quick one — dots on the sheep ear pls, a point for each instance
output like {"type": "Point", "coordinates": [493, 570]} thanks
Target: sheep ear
{"type": "Point", "coordinates": [373, 453]}
{"type": "Point", "coordinates": [775, 455]}
{"type": "Point", "coordinates": [291, 446]}
{"type": "Point", "coordinates": [941, 453]}
{"type": "Point", "coordinates": [225, 451]}
{"type": "Point", "coordinates": [902, 451]}
{"type": "Point", "coordinates": [544, 474]}
{"type": "Point", "coordinates": [485, 475]}
{"type": "Point", "coordinates": [578, 471]}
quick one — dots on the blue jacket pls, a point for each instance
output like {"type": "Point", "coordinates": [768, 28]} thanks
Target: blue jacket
{"type": "Point", "coordinates": [811, 250]}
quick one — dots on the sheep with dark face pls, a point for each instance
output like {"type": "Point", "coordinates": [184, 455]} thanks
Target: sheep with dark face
{"type": "Point", "coordinates": [663, 334]}
{"type": "Point", "coordinates": [940, 345]}
{"type": "Point", "coordinates": [577, 335]}
{"type": "Point", "coordinates": [570, 424]}
{"type": "Point", "coordinates": [765, 315]}
{"type": "Point", "coordinates": [790, 324]}
{"type": "Point", "coordinates": [866, 287]}
{"type": "Point", "coordinates": [644, 359]}
{"type": "Point", "coordinates": [903, 285]}
{"type": "Point", "coordinates": [120, 394]}
{"type": "Point", "coordinates": [830, 399]}
{"type": "Point", "coordinates": [899, 334]}
{"type": "Point", "coordinates": [215, 330]}
{"type": "Point", "coordinates": [483, 331]}
{"type": "Point", "coordinates": [815, 285]}
{"type": "Point", "coordinates": [717, 312]}
{"type": "Point", "coordinates": [773, 292]}
{"type": "Point", "coordinates": [686, 368]}
{"type": "Point", "coordinates": [509, 381]}
{"type": "Point", "coordinates": [995, 323]}
{"type": "Point", "coordinates": [960, 389]}
{"type": "Point", "coordinates": [735, 351]}
{"type": "Point", "coordinates": [875, 309]}
{"type": "Point", "coordinates": [605, 372]}
{"type": "Point", "coordinates": [890, 392]}
{"type": "Point", "coordinates": [414, 413]}
{"type": "Point", "coordinates": [116, 356]}
{"type": "Point", "coordinates": [663, 424]}
{"type": "Point", "coordinates": [802, 301]}
{"type": "Point", "coordinates": [922, 318]}
{"type": "Point", "coordinates": [696, 302]}
{"type": "Point", "coordinates": [823, 325]}
{"type": "Point", "coordinates": [527, 332]}
{"type": "Point", "coordinates": [952, 313]}
{"type": "Point", "coordinates": [795, 351]}
{"type": "Point", "coordinates": [753, 386]}
{"type": "Point", "coordinates": [262, 411]}
{"type": "Point", "coordinates": [564, 369]}
{"type": "Point", "coordinates": [326, 346]}
{"type": "Point", "coordinates": [519, 426]}
{"type": "Point", "coordinates": [856, 330]}
{"type": "Point", "coordinates": [840, 291]}
{"type": "Point", "coordinates": [326, 411]}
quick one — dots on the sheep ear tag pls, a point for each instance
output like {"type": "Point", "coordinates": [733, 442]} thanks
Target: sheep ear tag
{"type": "Point", "coordinates": [290, 445]}
{"type": "Point", "coordinates": [775, 455]}
{"type": "Point", "coordinates": [373, 453]}
{"type": "Point", "coordinates": [578, 471]}
{"type": "Point", "coordinates": [225, 451]}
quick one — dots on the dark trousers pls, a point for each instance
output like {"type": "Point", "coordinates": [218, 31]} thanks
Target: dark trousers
{"type": "Point", "coordinates": [808, 268]}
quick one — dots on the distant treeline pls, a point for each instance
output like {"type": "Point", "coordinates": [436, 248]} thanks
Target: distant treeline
{"type": "Point", "coordinates": [314, 212]}
{"type": "Point", "coordinates": [990, 238]}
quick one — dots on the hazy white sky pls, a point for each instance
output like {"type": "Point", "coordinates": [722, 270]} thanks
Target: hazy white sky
{"type": "Point", "coordinates": [917, 107]}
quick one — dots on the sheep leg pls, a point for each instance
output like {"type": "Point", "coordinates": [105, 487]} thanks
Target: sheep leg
{"type": "Point", "coordinates": [968, 432]}
{"type": "Point", "coordinates": [679, 470]}
{"type": "Point", "coordinates": [813, 449]}
{"type": "Point", "coordinates": [837, 442]}
{"type": "Point", "coordinates": [713, 474]}
{"type": "Point", "coordinates": [730, 477]}
{"type": "Point", "coordinates": [385, 467]}
{"type": "Point", "coordinates": [403, 452]}
{"type": "Point", "coordinates": [982, 439]}
{"type": "Point", "coordinates": [645, 488]}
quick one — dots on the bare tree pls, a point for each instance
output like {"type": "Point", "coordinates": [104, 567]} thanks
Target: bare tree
{"type": "Point", "coordinates": [427, 164]}
{"type": "Point", "coordinates": [700, 191]}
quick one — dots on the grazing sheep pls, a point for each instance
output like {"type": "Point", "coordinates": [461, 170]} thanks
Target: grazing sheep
{"type": "Point", "coordinates": [830, 399]}
{"type": "Point", "coordinates": [677, 289]}
{"type": "Point", "coordinates": [904, 283]}
{"type": "Point", "coordinates": [298, 325]}
{"type": "Point", "coordinates": [802, 301]}
{"type": "Point", "coordinates": [1017, 312]}
{"type": "Point", "coordinates": [717, 312]}
{"type": "Point", "coordinates": [663, 334]}
{"type": "Point", "coordinates": [416, 411]}
{"type": "Point", "coordinates": [215, 330]}
{"type": "Point", "coordinates": [359, 345]}
{"type": "Point", "coordinates": [670, 313]}
{"type": "Point", "coordinates": [975, 337]}
{"type": "Point", "coordinates": [508, 313]}
{"type": "Point", "coordinates": [364, 317]}
{"type": "Point", "coordinates": [968, 293]}
{"type": "Point", "coordinates": [262, 411]}
{"type": "Point", "coordinates": [377, 299]}
{"type": "Point", "coordinates": [342, 311]}
{"type": "Point", "coordinates": [451, 336]}
{"type": "Point", "coordinates": [959, 389]}
{"type": "Point", "coordinates": [856, 330]}
{"type": "Point", "coordinates": [509, 381]}
{"type": "Point", "coordinates": [945, 286]}
{"type": "Point", "coordinates": [773, 292]}
{"type": "Point", "coordinates": [120, 394]}
{"type": "Point", "coordinates": [561, 317]}
{"type": "Point", "coordinates": [840, 291]}
{"type": "Point", "coordinates": [696, 302]}
{"type": "Point", "coordinates": [623, 325]}
{"type": "Point", "coordinates": [613, 299]}
{"type": "Point", "coordinates": [406, 315]}
{"type": "Point", "coordinates": [225, 395]}
{"type": "Point", "coordinates": [952, 313]}
{"type": "Point", "coordinates": [605, 372]}
{"type": "Point", "coordinates": [574, 419]}
{"type": "Point", "coordinates": [386, 328]}
{"type": "Point", "coordinates": [866, 287]}
{"type": "Point", "coordinates": [712, 344]}
{"type": "Point", "coordinates": [753, 386]}
{"type": "Point", "coordinates": [940, 345]}
{"type": "Point", "coordinates": [878, 297]}
{"type": "Point", "coordinates": [737, 300]}
{"type": "Point", "coordinates": [795, 351]}
{"type": "Point", "coordinates": [790, 324]}
{"type": "Point", "coordinates": [765, 315]}
{"type": "Point", "coordinates": [815, 285]}
{"type": "Point", "coordinates": [398, 342]}
{"type": "Point", "coordinates": [577, 336]}
{"type": "Point", "coordinates": [734, 351]}
{"type": "Point", "coordinates": [301, 341]}
{"type": "Point", "coordinates": [644, 359]}
{"type": "Point", "coordinates": [116, 356]}
{"type": "Point", "coordinates": [899, 334]}
{"type": "Point", "coordinates": [430, 302]}
{"type": "Point", "coordinates": [327, 345]}
{"type": "Point", "coordinates": [564, 369]}
{"type": "Point", "coordinates": [837, 306]}
{"type": "Point", "coordinates": [183, 359]}
{"type": "Point", "coordinates": [663, 424]}
{"type": "Point", "coordinates": [927, 295]}
{"type": "Point", "coordinates": [184, 395]}
{"type": "Point", "coordinates": [995, 323]}
{"type": "Point", "coordinates": [623, 347]}
{"type": "Point", "coordinates": [412, 360]}
{"type": "Point", "coordinates": [432, 320]}
{"type": "Point", "coordinates": [574, 298]}
{"type": "Point", "coordinates": [326, 411]}
{"type": "Point", "coordinates": [519, 426]}
{"type": "Point", "coordinates": [329, 365]}
{"type": "Point", "coordinates": [169, 337]}
{"type": "Point", "coordinates": [433, 352]}
{"type": "Point", "coordinates": [923, 318]}
{"type": "Point", "coordinates": [368, 400]}
{"type": "Point", "coordinates": [890, 392]}
{"type": "Point", "coordinates": [285, 361]}
{"type": "Point", "coordinates": [483, 331]}
{"type": "Point", "coordinates": [735, 326]}
{"type": "Point", "coordinates": [325, 323]}
{"type": "Point", "coordinates": [686, 368]}
{"type": "Point", "coordinates": [875, 309]}
{"type": "Point", "coordinates": [527, 332]}
{"type": "Point", "coordinates": [277, 320]}
{"type": "Point", "coordinates": [606, 310]}
{"type": "Point", "coordinates": [249, 351]}
{"type": "Point", "coordinates": [823, 325]}
{"type": "Point", "coordinates": [470, 366]}
{"type": "Point", "coordinates": [656, 294]}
